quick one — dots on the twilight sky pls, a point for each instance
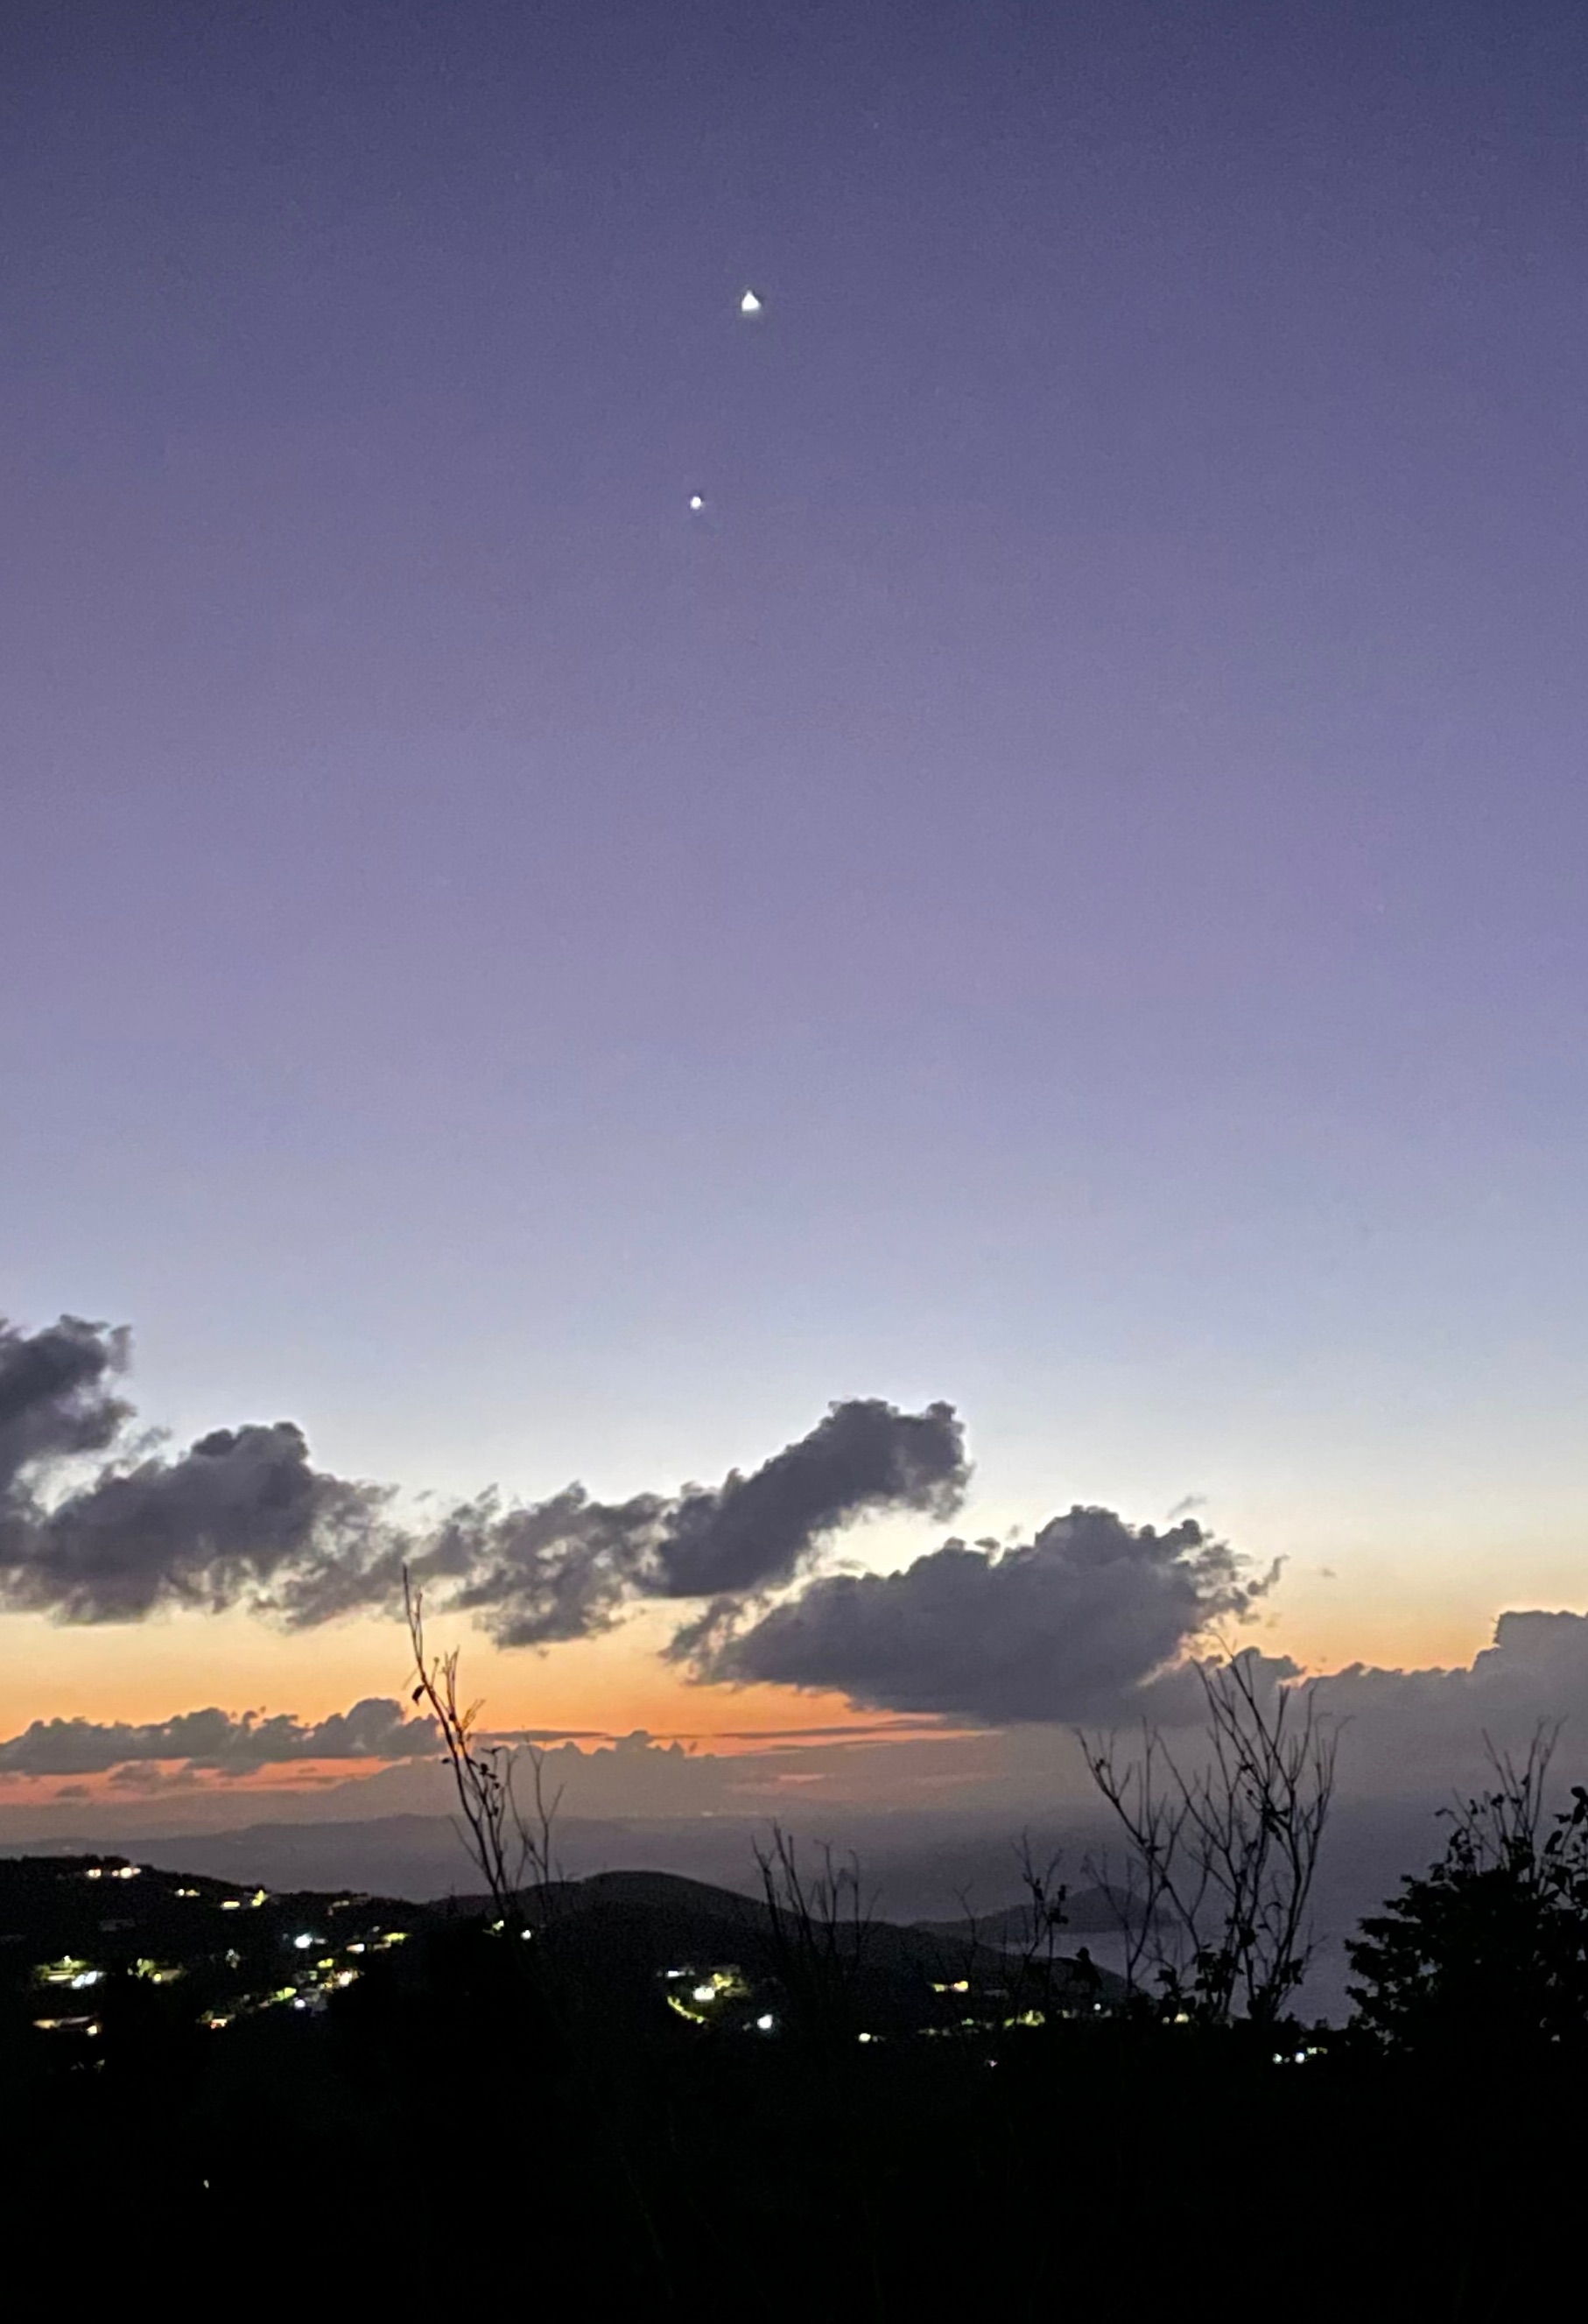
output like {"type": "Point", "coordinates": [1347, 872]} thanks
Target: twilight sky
{"type": "Point", "coordinates": [1059, 890]}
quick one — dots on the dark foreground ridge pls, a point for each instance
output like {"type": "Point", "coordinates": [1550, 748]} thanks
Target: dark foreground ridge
{"type": "Point", "coordinates": [659, 2096]}
{"type": "Point", "coordinates": [84, 1940]}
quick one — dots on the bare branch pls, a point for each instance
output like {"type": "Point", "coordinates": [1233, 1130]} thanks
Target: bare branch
{"type": "Point", "coordinates": [512, 1847]}
{"type": "Point", "coordinates": [1222, 1849]}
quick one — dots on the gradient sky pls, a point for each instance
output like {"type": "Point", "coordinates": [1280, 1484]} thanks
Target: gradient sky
{"type": "Point", "coordinates": [1063, 888]}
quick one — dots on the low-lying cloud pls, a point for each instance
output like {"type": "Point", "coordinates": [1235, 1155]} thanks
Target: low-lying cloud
{"type": "Point", "coordinates": [1404, 1728]}
{"type": "Point", "coordinates": [1074, 1625]}
{"type": "Point", "coordinates": [217, 1742]}
{"type": "Point", "coordinates": [242, 1516]}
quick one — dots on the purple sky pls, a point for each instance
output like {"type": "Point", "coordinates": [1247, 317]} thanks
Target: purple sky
{"type": "Point", "coordinates": [1062, 889]}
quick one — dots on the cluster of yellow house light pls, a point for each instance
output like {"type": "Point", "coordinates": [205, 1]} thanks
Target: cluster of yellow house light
{"type": "Point", "coordinates": [314, 1980]}
{"type": "Point", "coordinates": [705, 1990]}
{"type": "Point", "coordinates": [78, 1974]}
{"type": "Point", "coordinates": [1030, 2017]}
{"type": "Point", "coordinates": [69, 1971]}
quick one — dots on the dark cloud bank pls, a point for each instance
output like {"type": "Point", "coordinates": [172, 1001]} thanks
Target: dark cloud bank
{"type": "Point", "coordinates": [1092, 1620]}
{"type": "Point", "coordinates": [1068, 1626]}
{"type": "Point", "coordinates": [96, 1526]}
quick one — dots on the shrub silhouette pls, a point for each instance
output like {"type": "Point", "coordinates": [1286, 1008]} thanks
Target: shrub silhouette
{"type": "Point", "coordinates": [1488, 1949]}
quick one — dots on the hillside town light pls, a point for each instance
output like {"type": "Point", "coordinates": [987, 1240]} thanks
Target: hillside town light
{"type": "Point", "coordinates": [68, 1970]}
{"type": "Point", "coordinates": [156, 1972]}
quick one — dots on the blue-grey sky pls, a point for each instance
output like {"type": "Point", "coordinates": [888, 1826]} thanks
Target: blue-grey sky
{"type": "Point", "coordinates": [1060, 888]}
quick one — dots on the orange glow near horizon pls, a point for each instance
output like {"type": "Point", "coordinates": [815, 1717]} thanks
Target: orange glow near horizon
{"type": "Point", "coordinates": [97, 1790]}
{"type": "Point", "coordinates": [614, 1684]}
{"type": "Point", "coordinates": [162, 1783]}
{"type": "Point", "coordinates": [609, 1685]}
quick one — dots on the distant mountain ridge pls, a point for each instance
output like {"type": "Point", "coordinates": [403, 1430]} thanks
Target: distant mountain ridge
{"type": "Point", "coordinates": [80, 1934]}
{"type": "Point", "coordinates": [627, 1930]}
{"type": "Point", "coordinates": [672, 1917]}
{"type": "Point", "coordinates": [1091, 1912]}
{"type": "Point", "coordinates": [422, 1858]}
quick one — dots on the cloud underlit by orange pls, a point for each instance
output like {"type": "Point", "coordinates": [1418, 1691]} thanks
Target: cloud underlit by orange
{"type": "Point", "coordinates": [611, 1685]}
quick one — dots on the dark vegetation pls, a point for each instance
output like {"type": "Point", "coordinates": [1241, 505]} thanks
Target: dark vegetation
{"type": "Point", "coordinates": [642, 2095]}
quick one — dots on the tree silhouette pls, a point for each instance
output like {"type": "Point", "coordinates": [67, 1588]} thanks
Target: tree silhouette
{"type": "Point", "coordinates": [1488, 1948]}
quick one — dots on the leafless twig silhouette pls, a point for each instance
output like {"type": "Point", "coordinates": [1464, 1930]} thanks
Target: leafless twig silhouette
{"type": "Point", "coordinates": [512, 1844]}
{"type": "Point", "coordinates": [1224, 1851]}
